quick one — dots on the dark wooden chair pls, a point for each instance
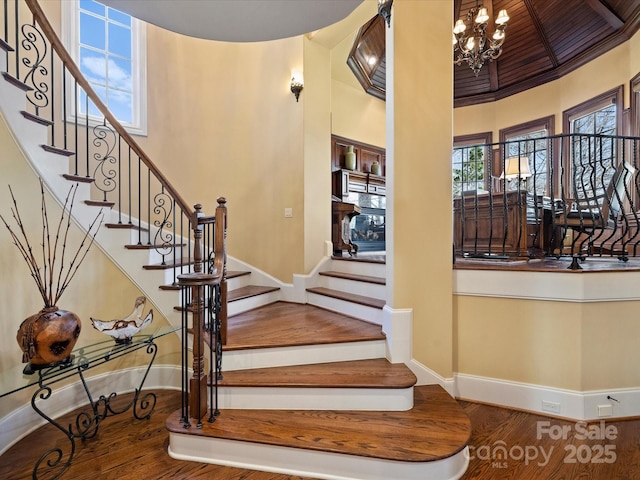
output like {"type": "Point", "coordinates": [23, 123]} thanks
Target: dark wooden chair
{"type": "Point", "coordinates": [595, 210]}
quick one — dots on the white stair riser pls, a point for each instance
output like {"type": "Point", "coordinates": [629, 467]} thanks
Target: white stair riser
{"type": "Point", "coordinates": [238, 282]}
{"type": "Point", "coordinates": [281, 398]}
{"type": "Point", "coordinates": [310, 463]}
{"type": "Point", "coordinates": [249, 303]}
{"type": "Point", "coordinates": [302, 355]}
{"type": "Point", "coordinates": [363, 312]}
{"type": "Point", "coordinates": [360, 268]}
{"type": "Point", "coordinates": [367, 289]}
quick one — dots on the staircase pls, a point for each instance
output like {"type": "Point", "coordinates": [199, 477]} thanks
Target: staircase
{"type": "Point", "coordinates": [307, 388]}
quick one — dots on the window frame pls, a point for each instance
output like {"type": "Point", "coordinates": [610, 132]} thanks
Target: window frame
{"type": "Point", "coordinates": [614, 96]}
{"type": "Point", "coordinates": [634, 88]}
{"type": "Point", "coordinates": [545, 123]}
{"type": "Point", "coordinates": [71, 40]}
{"type": "Point", "coordinates": [483, 138]}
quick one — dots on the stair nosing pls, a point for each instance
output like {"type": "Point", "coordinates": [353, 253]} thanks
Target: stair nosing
{"type": "Point", "coordinates": [355, 277]}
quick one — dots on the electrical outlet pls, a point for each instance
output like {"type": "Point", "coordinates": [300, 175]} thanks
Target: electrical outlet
{"type": "Point", "coordinates": [551, 407]}
{"type": "Point", "coordinates": [605, 410]}
{"type": "Point", "coordinates": [288, 212]}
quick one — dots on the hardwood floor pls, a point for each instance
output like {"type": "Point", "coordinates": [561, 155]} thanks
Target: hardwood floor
{"type": "Point", "coordinates": [126, 448]}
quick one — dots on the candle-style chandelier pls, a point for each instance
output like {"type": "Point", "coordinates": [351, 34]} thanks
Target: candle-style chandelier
{"type": "Point", "coordinates": [474, 47]}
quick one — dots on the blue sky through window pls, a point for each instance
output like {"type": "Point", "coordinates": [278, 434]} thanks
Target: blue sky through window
{"type": "Point", "coordinates": [106, 57]}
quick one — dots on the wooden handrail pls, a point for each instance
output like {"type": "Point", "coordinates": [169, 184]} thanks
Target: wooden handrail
{"type": "Point", "coordinates": [56, 44]}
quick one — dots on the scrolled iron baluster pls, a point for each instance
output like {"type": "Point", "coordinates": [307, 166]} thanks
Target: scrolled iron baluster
{"type": "Point", "coordinates": [163, 238]}
{"type": "Point", "coordinates": [105, 140]}
{"type": "Point", "coordinates": [35, 43]}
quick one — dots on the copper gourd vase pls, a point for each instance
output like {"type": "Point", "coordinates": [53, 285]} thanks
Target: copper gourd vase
{"type": "Point", "coordinates": [48, 337]}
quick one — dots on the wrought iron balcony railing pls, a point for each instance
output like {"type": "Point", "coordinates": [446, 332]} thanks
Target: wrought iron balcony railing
{"type": "Point", "coordinates": [572, 195]}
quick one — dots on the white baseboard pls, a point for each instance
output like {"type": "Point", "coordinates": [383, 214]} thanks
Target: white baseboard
{"type": "Point", "coordinates": [22, 421]}
{"type": "Point", "coordinates": [569, 404]}
{"type": "Point", "coordinates": [426, 376]}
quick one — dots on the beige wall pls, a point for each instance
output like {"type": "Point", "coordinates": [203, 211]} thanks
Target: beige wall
{"type": "Point", "coordinates": [98, 290]}
{"type": "Point", "coordinates": [529, 341]}
{"type": "Point", "coordinates": [223, 122]}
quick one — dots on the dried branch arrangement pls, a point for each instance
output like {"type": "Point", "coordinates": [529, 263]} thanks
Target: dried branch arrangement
{"type": "Point", "coordinates": [56, 272]}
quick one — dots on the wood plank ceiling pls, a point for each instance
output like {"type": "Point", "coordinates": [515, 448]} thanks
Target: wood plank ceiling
{"type": "Point", "coordinates": [545, 40]}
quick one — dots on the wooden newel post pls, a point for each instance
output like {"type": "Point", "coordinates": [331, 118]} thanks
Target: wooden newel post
{"type": "Point", "coordinates": [221, 263]}
{"type": "Point", "coordinates": [197, 282]}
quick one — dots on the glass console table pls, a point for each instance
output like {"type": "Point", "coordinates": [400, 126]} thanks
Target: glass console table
{"type": "Point", "coordinates": [87, 422]}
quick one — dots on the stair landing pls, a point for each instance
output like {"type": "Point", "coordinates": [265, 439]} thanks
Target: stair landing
{"type": "Point", "coordinates": [428, 441]}
{"type": "Point", "coordinates": [283, 324]}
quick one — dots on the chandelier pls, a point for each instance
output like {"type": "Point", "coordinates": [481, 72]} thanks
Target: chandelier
{"type": "Point", "coordinates": [474, 47]}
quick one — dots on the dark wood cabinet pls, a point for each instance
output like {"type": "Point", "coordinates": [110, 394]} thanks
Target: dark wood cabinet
{"type": "Point", "coordinates": [359, 180]}
{"type": "Point", "coordinates": [359, 205]}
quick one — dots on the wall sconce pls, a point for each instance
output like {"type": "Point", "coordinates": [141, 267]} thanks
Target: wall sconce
{"type": "Point", "coordinates": [384, 10]}
{"type": "Point", "coordinates": [296, 84]}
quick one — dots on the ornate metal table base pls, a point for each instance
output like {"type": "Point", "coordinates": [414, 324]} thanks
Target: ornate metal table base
{"type": "Point", "coordinates": [87, 422]}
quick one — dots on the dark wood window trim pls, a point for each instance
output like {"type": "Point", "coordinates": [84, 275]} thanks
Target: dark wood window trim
{"type": "Point", "coordinates": [614, 96]}
{"type": "Point", "coordinates": [545, 123]}
{"type": "Point", "coordinates": [635, 105]}
{"type": "Point", "coordinates": [483, 138]}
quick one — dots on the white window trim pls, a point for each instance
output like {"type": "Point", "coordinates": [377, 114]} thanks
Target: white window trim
{"type": "Point", "coordinates": [71, 41]}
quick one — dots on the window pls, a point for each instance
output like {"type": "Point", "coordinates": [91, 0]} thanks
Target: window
{"type": "Point", "coordinates": [591, 161]}
{"type": "Point", "coordinates": [470, 163]}
{"type": "Point", "coordinates": [530, 140]}
{"type": "Point", "coordinates": [109, 47]}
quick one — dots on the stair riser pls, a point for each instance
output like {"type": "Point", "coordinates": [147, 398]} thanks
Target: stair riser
{"type": "Point", "coordinates": [238, 282]}
{"type": "Point", "coordinates": [301, 355]}
{"type": "Point", "coordinates": [360, 268]}
{"type": "Point", "coordinates": [358, 288]}
{"type": "Point", "coordinates": [363, 312]}
{"type": "Point", "coordinates": [245, 304]}
{"type": "Point", "coordinates": [280, 398]}
{"type": "Point", "coordinates": [311, 463]}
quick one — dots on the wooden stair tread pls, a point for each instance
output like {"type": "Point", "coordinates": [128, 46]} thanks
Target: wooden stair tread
{"type": "Point", "coordinates": [35, 118]}
{"type": "Point", "coordinates": [130, 226]}
{"type": "Point", "coordinates": [371, 373]}
{"type": "Point", "coordinates": [78, 178]}
{"type": "Point", "coordinates": [148, 246]}
{"type": "Point", "coordinates": [58, 151]}
{"type": "Point", "coordinates": [5, 46]}
{"type": "Point", "coordinates": [169, 264]}
{"type": "Point", "coordinates": [230, 274]}
{"type": "Point", "coordinates": [249, 291]}
{"type": "Point", "coordinates": [237, 273]}
{"type": "Point", "coordinates": [355, 277]}
{"type": "Point", "coordinates": [434, 429]}
{"type": "Point", "coordinates": [15, 82]}
{"type": "Point", "coordinates": [285, 324]}
{"type": "Point", "coordinates": [99, 203]}
{"type": "Point", "coordinates": [364, 258]}
{"type": "Point", "coordinates": [349, 297]}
